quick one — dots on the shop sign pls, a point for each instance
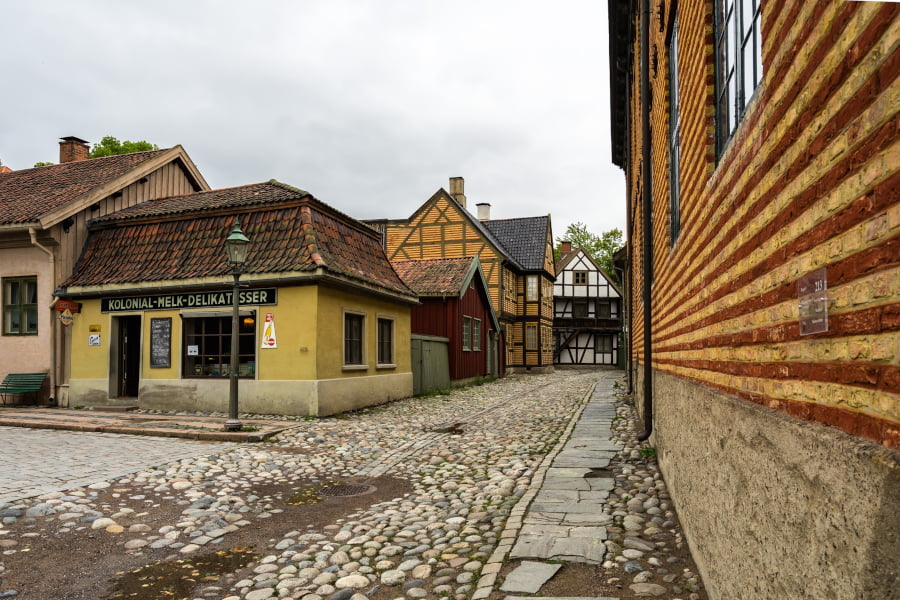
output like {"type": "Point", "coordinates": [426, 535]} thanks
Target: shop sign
{"type": "Point", "coordinates": [268, 338]}
{"type": "Point", "coordinates": [66, 318]}
{"type": "Point", "coordinates": [65, 305]}
{"type": "Point", "coordinates": [254, 297]}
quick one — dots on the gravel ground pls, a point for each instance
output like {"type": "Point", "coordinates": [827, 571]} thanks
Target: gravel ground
{"type": "Point", "coordinates": [446, 470]}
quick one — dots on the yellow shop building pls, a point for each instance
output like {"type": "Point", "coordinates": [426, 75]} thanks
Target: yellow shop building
{"type": "Point", "coordinates": [324, 320]}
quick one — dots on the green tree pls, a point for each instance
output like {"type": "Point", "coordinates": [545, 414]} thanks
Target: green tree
{"type": "Point", "coordinates": [43, 164]}
{"type": "Point", "coordinates": [601, 247]}
{"type": "Point", "coordinates": [109, 146]}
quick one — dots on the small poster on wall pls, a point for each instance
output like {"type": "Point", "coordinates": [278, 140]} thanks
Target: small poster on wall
{"type": "Point", "coordinates": [268, 336]}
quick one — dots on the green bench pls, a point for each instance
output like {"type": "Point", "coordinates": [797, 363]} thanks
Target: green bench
{"type": "Point", "coordinates": [21, 383]}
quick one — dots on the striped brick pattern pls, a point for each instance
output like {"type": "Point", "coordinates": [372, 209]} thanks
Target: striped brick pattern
{"type": "Point", "coordinates": [810, 180]}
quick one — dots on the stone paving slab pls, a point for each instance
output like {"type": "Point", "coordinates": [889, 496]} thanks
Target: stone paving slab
{"type": "Point", "coordinates": [558, 598]}
{"type": "Point", "coordinates": [529, 576]}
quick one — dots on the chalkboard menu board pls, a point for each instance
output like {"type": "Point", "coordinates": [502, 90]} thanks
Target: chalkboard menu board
{"type": "Point", "coordinates": [161, 343]}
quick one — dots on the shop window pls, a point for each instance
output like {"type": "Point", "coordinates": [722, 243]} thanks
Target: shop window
{"type": "Point", "coordinates": [354, 326]}
{"type": "Point", "coordinates": [467, 333]}
{"type": "Point", "coordinates": [20, 306]}
{"type": "Point", "coordinates": [531, 288]}
{"type": "Point", "coordinates": [385, 341]}
{"type": "Point", "coordinates": [580, 277]}
{"type": "Point", "coordinates": [531, 337]}
{"type": "Point", "coordinates": [207, 347]}
{"type": "Point", "coordinates": [476, 334]}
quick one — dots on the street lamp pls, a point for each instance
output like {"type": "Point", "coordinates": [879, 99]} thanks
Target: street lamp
{"type": "Point", "coordinates": [237, 245]}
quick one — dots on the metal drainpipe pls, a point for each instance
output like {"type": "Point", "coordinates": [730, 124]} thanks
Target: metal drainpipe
{"type": "Point", "coordinates": [647, 228]}
{"type": "Point", "coordinates": [33, 234]}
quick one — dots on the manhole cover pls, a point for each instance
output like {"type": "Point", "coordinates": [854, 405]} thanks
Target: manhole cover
{"type": "Point", "coordinates": [347, 490]}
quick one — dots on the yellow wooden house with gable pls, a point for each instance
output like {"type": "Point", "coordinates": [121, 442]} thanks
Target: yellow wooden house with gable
{"type": "Point", "coordinates": [516, 256]}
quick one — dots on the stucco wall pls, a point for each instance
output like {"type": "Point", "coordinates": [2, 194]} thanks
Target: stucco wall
{"type": "Point", "coordinates": [776, 507]}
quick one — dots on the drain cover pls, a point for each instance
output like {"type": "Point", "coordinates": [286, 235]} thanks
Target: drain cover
{"type": "Point", "coordinates": [347, 490]}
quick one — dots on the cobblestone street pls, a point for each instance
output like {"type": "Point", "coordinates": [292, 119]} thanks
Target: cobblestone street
{"type": "Point", "coordinates": [537, 468]}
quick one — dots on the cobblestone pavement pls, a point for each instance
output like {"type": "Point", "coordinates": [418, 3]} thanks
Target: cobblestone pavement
{"type": "Point", "coordinates": [475, 458]}
{"type": "Point", "coordinates": [37, 461]}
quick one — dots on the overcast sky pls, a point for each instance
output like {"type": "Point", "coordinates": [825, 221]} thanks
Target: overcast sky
{"type": "Point", "coordinates": [370, 105]}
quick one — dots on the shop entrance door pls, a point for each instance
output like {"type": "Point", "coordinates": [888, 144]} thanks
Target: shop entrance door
{"type": "Point", "coordinates": [128, 362]}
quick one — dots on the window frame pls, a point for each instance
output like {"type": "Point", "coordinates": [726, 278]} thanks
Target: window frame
{"type": "Point", "coordinates": [599, 340]}
{"type": "Point", "coordinates": [531, 288]}
{"type": "Point", "coordinates": [580, 273]}
{"type": "Point", "coordinates": [204, 337]}
{"type": "Point", "coordinates": [21, 306]}
{"type": "Point", "coordinates": [466, 333]}
{"type": "Point", "coordinates": [476, 335]}
{"type": "Point", "coordinates": [354, 315]}
{"type": "Point", "coordinates": [531, 336]}
{"type": "Point", "coordinates": [583, 303]}
{"type": "Point", "coordinates": [383, 345]}
{"type": "Point", "coordinates": [731, 39]}
{"type": "Point", "coordinates": [674, 133]}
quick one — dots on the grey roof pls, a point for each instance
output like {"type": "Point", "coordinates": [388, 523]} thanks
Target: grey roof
{"type": "Point", "coordinates": [525, 239]}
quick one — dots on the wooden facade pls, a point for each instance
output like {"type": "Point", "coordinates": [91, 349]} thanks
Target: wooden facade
{"type": "Point", "coordinates": [587, 316]}
{"type": "Point", "coordinates": [443, 228]}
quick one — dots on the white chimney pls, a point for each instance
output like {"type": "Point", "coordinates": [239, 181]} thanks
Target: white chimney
{"type": "Point", "coordinates": [484, 211]}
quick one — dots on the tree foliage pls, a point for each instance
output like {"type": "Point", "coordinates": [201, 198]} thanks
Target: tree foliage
{"type": "Point", "coordinates": [601, 247]}
{"type": "Point", "coordinates": [43, 164]}
{"type": "Point", "coordinates": [109, 146]}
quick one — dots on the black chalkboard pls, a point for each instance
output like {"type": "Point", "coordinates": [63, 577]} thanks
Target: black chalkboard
{"type": "Point", "coordinates": [161, 343]}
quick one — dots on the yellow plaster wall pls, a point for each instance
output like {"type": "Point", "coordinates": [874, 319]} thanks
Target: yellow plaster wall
{"type": "Point", "coordinates": [90, 362]}
{"type": "Point", "coordinates": [331, 306]}
{"type": "Point", "coordinates": [295, 315]}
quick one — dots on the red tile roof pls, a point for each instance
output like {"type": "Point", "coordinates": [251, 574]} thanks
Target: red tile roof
{"type": "Point", "coordinates": [183, 237]}
{"type": "Point", "coordinates": [436, 277]}
{"type": "Point", "coordinates": [27, 194]}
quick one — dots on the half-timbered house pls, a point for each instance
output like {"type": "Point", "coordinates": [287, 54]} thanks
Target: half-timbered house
{"type": "Point", "coordinates": [43, 216]}
{"type": "Point", "coordinates": [516, 256]}
{"type": "Point", "coordinates": [587, 311]}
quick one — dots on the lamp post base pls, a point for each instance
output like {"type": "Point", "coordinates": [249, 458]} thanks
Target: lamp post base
{"type": "Point", "coordinates": [233, 425]}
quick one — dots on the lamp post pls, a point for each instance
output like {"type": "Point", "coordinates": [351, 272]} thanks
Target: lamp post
{"type": "Point", "coordinates": [237, 245]}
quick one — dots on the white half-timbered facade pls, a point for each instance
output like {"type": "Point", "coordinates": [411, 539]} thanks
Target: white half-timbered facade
{"type": "Point", "coordinates": [587, 312]}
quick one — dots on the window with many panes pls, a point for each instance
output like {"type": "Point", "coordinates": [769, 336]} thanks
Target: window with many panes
{"type": "Point", "coordinates": [580, 277]}
{"type": "Point", "coordinates": [738, 39]}
{"type": "Point", "coordinates": [531, 288]}
{"type": "Point", "coordinates": [476, 334]}
{"type": "Point", "coordinates": [467, 333]}
{"type": "Point", "coordinates": [20, 312]}
{"type": "Point", "coordinates": [354, 324]}
{"type": "Point", "coordinates": [531, 337]}
{"type": "Point", "coordinates": [207, 347]}
{"type": "Point", "coordinates": [674, 137]}
{"type": "Point", "coordinates": [385, 341]}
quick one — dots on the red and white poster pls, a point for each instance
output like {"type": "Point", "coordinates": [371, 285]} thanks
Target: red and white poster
{"type": "Point", "coordinates": [268, 336]}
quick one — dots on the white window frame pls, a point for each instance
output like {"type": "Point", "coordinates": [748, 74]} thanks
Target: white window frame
{"type": "Point", "coordinates": [476, 335]}
{"type": "Point", "coordinates": [531, 288]}
{"type": "Point", "coordinates": [466, 333]}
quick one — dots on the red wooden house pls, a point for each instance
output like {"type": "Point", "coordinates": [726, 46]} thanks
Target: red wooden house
{"type": "Point", "coordinates": [456, 304]}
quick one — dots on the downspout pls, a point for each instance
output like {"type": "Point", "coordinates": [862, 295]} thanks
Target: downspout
{"type": "Point", "coordinates": [33, 234]}
{"type": "Point", "coordinates": [647, 228]}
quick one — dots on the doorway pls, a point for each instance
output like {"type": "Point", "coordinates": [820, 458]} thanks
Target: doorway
{"type": "Point", "coordinates": [128, 356]}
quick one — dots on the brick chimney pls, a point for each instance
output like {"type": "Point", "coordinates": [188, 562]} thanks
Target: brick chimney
{"type": "Point", "coordinates": [72, 149]}
{"type": "Point", "coordinates": [566, 247]}
{"type": "Point", "coordinates": [484, 211]}
{"type": "Point", "coordinates": [457, 190]}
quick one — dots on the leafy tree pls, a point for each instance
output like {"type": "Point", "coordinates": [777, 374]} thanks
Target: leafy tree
{"type": "Point", "coordinates": [43, 164]}
{"type": "Point", "coordinates": [601, 247]}
{"type": "Point", "coordinates": [109, 146]}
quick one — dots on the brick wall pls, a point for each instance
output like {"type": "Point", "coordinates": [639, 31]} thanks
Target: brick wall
{"type": "Point", "coordinates": [809, 181]}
